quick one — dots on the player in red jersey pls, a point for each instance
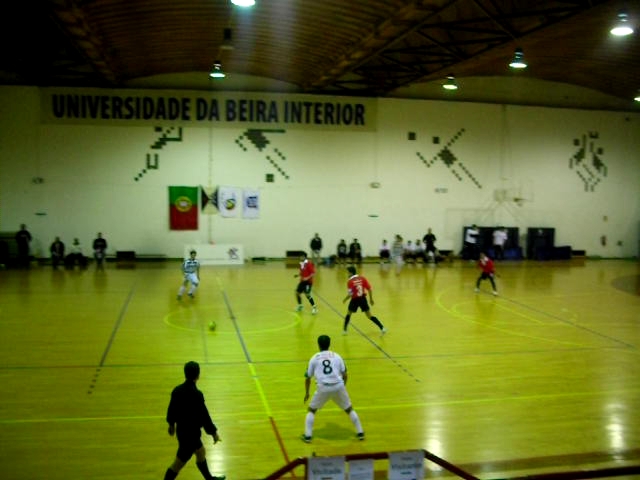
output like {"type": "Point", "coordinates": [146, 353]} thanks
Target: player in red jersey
{"type": "Point", "coordinates": [358, 287]}
{"type": "Point", "coordinates": [488, 271]}
{"type": "Point", "coordinates": [307, 272]}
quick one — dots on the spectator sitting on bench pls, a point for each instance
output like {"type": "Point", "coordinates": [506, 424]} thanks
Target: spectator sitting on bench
{"type": "Point", "coordinates": [76, 256]}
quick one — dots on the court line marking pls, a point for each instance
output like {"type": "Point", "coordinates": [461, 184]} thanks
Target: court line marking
{"type": "Point", "coordinates": [562, 320]}
{"type": "Point", "coordinates": [112, 338]}
{"type": "Point", "coordinates": [254, 373]}
{"type": "Point", "coordinates": [385, 406]}
{"type": "Point", "coordinates": [370, 340]}
{"type": "Point", "coordinates": [167, 321]}
{"type": "Point", "coordinates": [451, 311]}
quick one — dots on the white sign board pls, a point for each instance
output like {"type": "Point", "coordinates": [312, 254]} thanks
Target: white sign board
{"type": "Point", "coordinates": [217, 254]}
{"type": "Point", "coordinates": [326, 468]}
{"type": "Point", "coordinates": [361, 469]}
{"type": "Point", "coordinates": [406, 465]}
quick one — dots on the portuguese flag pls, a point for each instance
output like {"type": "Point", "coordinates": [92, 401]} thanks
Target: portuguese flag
{"type": "Point", "coordinates": [183, 208]}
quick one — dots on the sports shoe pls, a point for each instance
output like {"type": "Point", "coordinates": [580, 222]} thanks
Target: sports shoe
{"type": "Point", "coordinates": [477, 290]}
{"type": "Point", "coordinates": [190, 295]}
{"type": "Point", "coordinates": [219, 477]}
{"type": "Point", "coordinates": [383, 331]}
{"type": "Point", "coordinates": [360, 436]}
{"type": "Point", "coordinates": [179, 297]}
{"type": "Point", "coordinates": [299, 308]}
{"type": "Point", "coordinates": [344, 332]}
{"type": "Point", "coordinates": [305, 439]}
{"type": "Point", "coordinates": [495, 293]}
{"type": "Point", "coordinates": [314, 310]}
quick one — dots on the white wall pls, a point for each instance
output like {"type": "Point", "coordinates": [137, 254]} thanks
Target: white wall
{"type": "Point", "coordinates": [89, 170]}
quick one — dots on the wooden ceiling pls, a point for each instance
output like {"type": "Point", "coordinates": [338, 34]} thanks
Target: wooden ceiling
{"type": "Point", "coordinates": [336, 47]}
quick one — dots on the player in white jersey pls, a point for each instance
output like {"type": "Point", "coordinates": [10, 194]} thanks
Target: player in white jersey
{"type": "Point", "coordinates": [191, 271]}
{"type": "Point", "coordinates": [330, 373]}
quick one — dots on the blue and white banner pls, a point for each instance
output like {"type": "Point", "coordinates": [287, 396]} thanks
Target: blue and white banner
{"type": "Point", "coordinates": [229, 201]}
{"type": "Point", "coordinates": [251, 204]}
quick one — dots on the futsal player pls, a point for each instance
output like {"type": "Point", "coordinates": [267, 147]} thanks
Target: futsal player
{"type": "Point", "coordinates": [330, 372]}
{"type": "Point", "coordinates": [488, 272]}
{"type": "Point", "coordinates": [191, 272]}
{"type": "Point", "coordinates": [306, 274]}
{"type": "Point", "coordinates": [358, 287]}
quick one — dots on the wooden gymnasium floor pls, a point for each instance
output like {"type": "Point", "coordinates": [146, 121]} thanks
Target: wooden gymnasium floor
{"type": "Point", "coordinates": [545, 377]}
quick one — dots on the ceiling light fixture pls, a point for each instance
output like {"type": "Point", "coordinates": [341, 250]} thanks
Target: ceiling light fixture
{"type": "Point", "coordinates": [622, 28]}
{"type": "Point", "coordinates": [216, 71]}
{"type": "Point", "coordinates": [244, 3]}
{"type": "Point", "coordinates": [450, 84]}
{"type": "Point", "coordinates": [518, 59]}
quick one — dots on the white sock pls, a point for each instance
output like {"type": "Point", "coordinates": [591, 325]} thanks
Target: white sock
{"type": "Point", "coordinates": [181, 291]}
{"type": "Point", "coordinates": [308, 424]}
{"type": "Point", "coordinates": [356, 421]}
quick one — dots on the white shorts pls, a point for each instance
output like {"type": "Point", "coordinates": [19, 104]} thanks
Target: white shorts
{"type": "Point", "coordinates": [337, 393]}
{"type": "Point", "coordinates": [191, 277]}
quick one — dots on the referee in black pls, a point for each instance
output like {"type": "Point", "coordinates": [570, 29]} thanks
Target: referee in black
{"type": "Point", "coordinates": [189, 413]}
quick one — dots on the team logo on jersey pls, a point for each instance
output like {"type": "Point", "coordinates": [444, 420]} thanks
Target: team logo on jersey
{"type": "Point", "coordinates": [183, 204]}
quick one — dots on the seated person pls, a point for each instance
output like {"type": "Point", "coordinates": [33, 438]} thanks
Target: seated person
{"type": "Point", "coordinates": [341, 252]}
{"type": "Point", "coordinates": [418, 251]}
{"type": "Point", "coordinates": [355, 251]}
{"type": "Point", "coordinates": [385, 253]}
{"type": "Point", "coordinates": [57, 252]}
{"type": "Point", "coordinates": [75, 255]}
{"type": "Point", "coordinates": [409, 252]}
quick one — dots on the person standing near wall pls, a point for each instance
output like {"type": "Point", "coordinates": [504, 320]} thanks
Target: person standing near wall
{"type": "Point", "coordinates": [470, 249]}
{"type": "Point", "coordinates": [499, 239]}
{"type": "Point", "coordinates": [429, 240]}
{"type": "Point", "coordinates": [330, 372]}
{"type": "Point", "coordinates": [316, 249]}
{"type": "Point", "coordinates": [99, 251]}
{"type": "Point", "coordinates": [187, 415]}
{"type": "Point", "coordinates": [23, 240]}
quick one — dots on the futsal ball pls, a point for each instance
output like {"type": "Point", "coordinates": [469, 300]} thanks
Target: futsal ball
{"type": "Point", "coordinates": [212, 325]}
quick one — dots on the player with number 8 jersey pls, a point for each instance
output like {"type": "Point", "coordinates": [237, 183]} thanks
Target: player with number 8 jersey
{"type": "Point", "coordinates": [330, 372]}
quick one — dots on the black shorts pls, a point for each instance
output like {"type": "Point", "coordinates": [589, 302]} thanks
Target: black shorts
{"type": "Point", "coordinates": [485, 275]}
{"type": "Point", "coordinates": [360, 302]}
{"type": "Point", "coordinates": [385, 254]}
{"type": "Point", "coordinates": [187, 447]}
{"type": "Point", "coordinates": [304, 287]}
